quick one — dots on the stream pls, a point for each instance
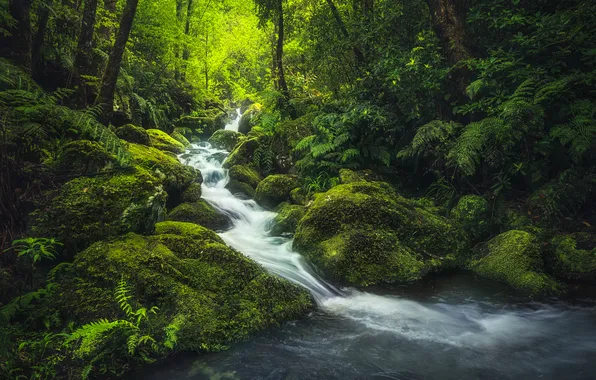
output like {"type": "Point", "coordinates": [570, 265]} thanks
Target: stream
{"type": "Point", "coordinates": [449, 327]}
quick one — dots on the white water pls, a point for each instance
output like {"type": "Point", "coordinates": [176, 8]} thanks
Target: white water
{"type": "Point", "coordinates": [465, 325]}
{"type": "Point", "coordinates": [233, 125]}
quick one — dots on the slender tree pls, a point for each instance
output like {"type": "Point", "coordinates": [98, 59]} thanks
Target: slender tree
{"type": "Point", "coordinates": [282, 85]}
{"type": "Point", "coordinates": [84, 55]}
{"type": "Point", "coordinates": [344, 31]}
{"type": "Point", "coordinates": [18, 44]}
{"type": "Point", "coordinates": [110, 7]}
{"type": "Point", "coordinates": [43, 16]}
{"type": "Point", "coordinates": [186, 52]}
{"type": "Point", "coordinates": [108, 85]}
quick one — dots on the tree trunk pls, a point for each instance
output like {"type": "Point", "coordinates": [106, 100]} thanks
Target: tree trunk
{"type": "Point", "coordinates": [186, 52]}
{"type": "Point", "coordinates": [110, 77]}
{"type": "Point", "coordinates": [279, 53]}
{"type": "Point", "coordinates": [18, 45]}
{"type": "Point", "coordinates": [179, 6]}
{"type": "Point", "coordinates": [110, 7]}
{"type": "Point", "coordinates": [344, 31]}
{"type": "Point", "coordinates": [84, 56]}
{"type": "Point", "coordinates": [38, 40]}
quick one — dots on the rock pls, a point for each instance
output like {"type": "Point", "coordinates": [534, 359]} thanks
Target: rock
{"type": "Point", "coordinates": [180, 138]}
{"type": "Point", "coordinates": [83, 157]}
{"type": "Point", "coordinates": [89, 209]}
{"type": "Point", "coordinates": [287, 218]}
{"type": "Point", "coordinates": [246, 174]}
{"type": "Point", "coordinates": [162, 141]}
{"type": "Point", "coordinates": [363, 233]}
{"type": "Point", "coordinates": [242, 153]}
{"type": "Point", "coordinates": [227, 140]}
{"type": "Point", "coordinates": [275, 189]}
{"type": "Point", "coordinates": [205, 124]}
{"type": "Point", "coordinates": [567, 260]}
{"type": "Point", "coordinates": [298, 196]}
{"type": "Point", "coordinates": [175, 176]}
{"type": "Point", "coordinates": [250, 118]}
{"type": "Point", "coordinates": [473, 213]}
{"type": "Point", "coordinates": [350, 176]}
{"type": "Point", "coordinates": [201, 213]}
{"type": "Point", "coordinates": [514, 258]}
{"type": "Point", "coordinates": [192, 193]}
{"type": "Point", "coordinates": [133, 134]}
{"type": "Point", "coordinates": [241, 188]}
{"type": "Point", "coordinates": [516, 220]}
{"type": "Point", "coordinates": [214, 294]}
{"type": "Point", "coordinates": [288, 133]}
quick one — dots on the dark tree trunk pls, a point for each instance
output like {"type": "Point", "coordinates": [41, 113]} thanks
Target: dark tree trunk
{"type": "Point", "coordinates": [39, 39]}
{"type": "Point", "coordinates": [186, 52]}
{"type": "Point", "coordinates": [110, 6]}
{"type": "Point", "coordinates": [18, 46]}
{"type": "Point", "coordinates": [179, 6]}
{"type": "Point", "coordinates": [279, 53]}
{"type": "Point", "coordinates": [344, 31]}
{"type": "Point", "coordinates": [448, 19]}
{"type": "Point", "coordinates": [84, 56]}
{"type": "Point", "coordinates": [110, 77]}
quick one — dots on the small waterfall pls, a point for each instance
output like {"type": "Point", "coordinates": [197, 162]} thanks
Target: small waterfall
{"type": "Point", "coordinates": [234, 124]}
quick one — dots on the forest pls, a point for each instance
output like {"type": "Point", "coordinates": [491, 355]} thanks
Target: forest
{"type": "Point", "coordinates": [297, 189]}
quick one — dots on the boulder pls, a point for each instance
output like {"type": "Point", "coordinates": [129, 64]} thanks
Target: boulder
{"type": "Point", "coordinates": [83, 158]}
{"type": "Point", "coordinates": [162, 141]}
{"type": "Point", "coordinates": [192, 193]}
{"type": "Point", "coordinates": [180, 138]}
{"type": "Point", "coordinates": [89, 209]}
{"type": "Point", "coordinates": [250, 118]}
{"type": "Point", "coordinates": [240, 188]}
{"type": "Point", "coordinates": [572, 257]}
{"type": "Point", "coordinates": [350, 176]}
{"type": "Point", "coordinates": [246, 174]}
{"type": "Point", "coordinates": [514, 258]}
{"type": "Point", "coordinates": [474, 214]}
{"type": "Point", "coordinates": [202, 213]}
{"type": "Point", "coordinates": [287, 218]}
{"type": "Point", "coordinates": [242, 153]}
{"type": "Point", "coordinates": [133, 134]}
{"type": "Point", "coordinates": [363, 233]}
{"type": "Point", "coordinates": [227, 140]}
{"type": "Point", "coordinates": [275, 189]}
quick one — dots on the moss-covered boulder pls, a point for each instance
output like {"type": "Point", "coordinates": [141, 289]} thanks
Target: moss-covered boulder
{"type": "Point", "coordinates": [514, 258]}
{"type": "Point", "coordinates": [192, 193]}
{"type": "Point", "coordinates": [83, 157]}
{"type": "Point", "coordinates": [242, 153]}
{"type": "Point", "coordinates": [133, 134]}
{"type": "Point", "coordinates": [180, 138]}
{"type": "Point", "coordinates": [250, 118]}
{"type": "Point", "coordinates": [213, 294]}
{"type": "Point", "coordinates": [204, 123]}
{"type": "Point", "coordinates": [514, 219]}
{"type": "Point", "coordinates": [224, 139]}
{"type": "Point", "coordinates": [473, 213]}
{"type": "Point", "coordinates": [299, 196]}
{"type": "Point", "coordinates": [162, 141]}
{"type": "Point", "coordinates": [201, 213]}
{"type": "Point", "coordinates": [89, 209]}
{"type": "Point", "coordinates": [354, 230]}
{"type": "Point", "coordinates": [287, 218]}
{"type": "Point", "coordinates": [275, 189]}
{"type": "Point", "coordinates": [244, 190]}
{"type": "Point", "coordinates": [573, 257]}
{"type": "Point", "coordinates": [175, 176]}
{"type": "Point", "coordinates": [246, 174]}
{"type": "Point", "coordinates": [351, 176]}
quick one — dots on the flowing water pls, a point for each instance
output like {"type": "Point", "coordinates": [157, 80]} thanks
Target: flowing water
{"type": "Point", "coordinates": [451, 327]}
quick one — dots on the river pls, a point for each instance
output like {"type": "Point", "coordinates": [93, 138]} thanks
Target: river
{"type": "Point", "coordinates": [449, 327]}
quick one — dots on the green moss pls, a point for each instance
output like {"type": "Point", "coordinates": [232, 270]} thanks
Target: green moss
{"type": "Point", "coordinates": [287, 218]}
{"type": "Point", "coordinates": [288, 133]}
{"type": "Point", "coordinates": [83, 157]}
{"type": "Point", "coordinates": [205, 123]}
{"type": "Point", "coordinates": [175, 176]}
{"type": "Point", "coordinates": [216, 295]}
{"type": "Point", "coordinates": [227, 140]}
{"type": "Point", "coordinates": [371, 208]}
{"type": "Point", "coordinates": [162, 141]}
{"type": "Point", "coordinates": [180, 138]}
{"type": "Point", "coordinates": [298, 196]}
{"type": "Point", "coordinates": [473, 213]}
{"type": "Point", "coordinates": [275, 189]}
{"type": "Point", "coordinates": [241, 188]}
{"type": "Point", "coordinates": [569, 262]}
{"type": "Point", "coordinates": [516, 220]}
{"type": "Point", "coordinates": [514, 258]}
{"type": "Point", "coordinates": [86, 210]}
{"type": "Point", "coordinates": [246, 174]}
{"type": "Point", "coordinates": [242, 153]}
{"type": "Point", "coordinates": [250, 118]}
{"type": "Point", "coordinates": [133, 134]}
{"type": "Point", "coordinates": [350, 176]}
{"type": "Point", "coordinates": [192, 193]}
{"type": "Point", "coordinates": [201, 213]}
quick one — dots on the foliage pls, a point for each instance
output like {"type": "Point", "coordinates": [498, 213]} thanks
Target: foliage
{"type": "Point", "coordinates": [36, 248]}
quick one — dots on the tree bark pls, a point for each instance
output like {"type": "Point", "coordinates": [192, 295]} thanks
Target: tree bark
{"type": "Point", "coordinates": [39, 39]}
{"type": "Point", "coordinates": [110, 77]}
{"type": "Point", "coordinates": [18, 45]}
{"type": "Point", "coordinates": [110, 7]}
{"type": "Point", "coordinates": [179, 6]}
{"type": "Point", "coordinates": [186, 52]}
{"type": "Point", "coordinates": [279, 53]}
{"type": "Point", "coordinates": [344, 31]}
{"type": "Point", "coordinates": [84, 55]}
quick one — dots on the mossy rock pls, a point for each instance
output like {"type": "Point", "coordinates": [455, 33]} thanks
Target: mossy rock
{"type": "Point", "coordinates": [516, 220]}
{"type": "Point", "coordinates": [192, 193]}
{"type": "Point", "coordinates": [89, 209]}
{"type": "Point", "coordinates": [287, 218]}
{"type": "Point", "coordinates": [250, 118]}
{"type": "Point", "coordinates": [227, 140]}
{"type": "Point", "coordinates": [473, 213]}
{"type": "Point", "coordinates": [201, 213]}
{"type": "Point", "coordinates": [299, 197]}
{"type": "Point", "coordinates": [514, 258]}
{"type": "Point", "coordinates": [404, 230]}
{"type": "Point", "coordinates": [205, 123]}
{"type": "Point", "coordinates": [288, 133]}
{"type": "Point", "coordinates": [275, 189]}
{"type": "Point", "coordinates": [162, 141]}
{"type": "Point", "coordinates": [240, 188]}
{"type": "Point", "coordinates": [180, 138]}
{"type": "Point", "coordinates": [175, 176]}
{"type": "Point", "coordinates": [351, 176]}
{"type": "Point", "coordinates": [83, 157]}
{"type": "Point", "coordinates": [242, 153]}
{"type": "Point", "coordinates": [573, 257]}
{"type": "Point", "coordinates": [246, 174]}
{"type": "Point", "coordinates": [133, 134]}
{"type": "Point", "coordinates": [214, 294]}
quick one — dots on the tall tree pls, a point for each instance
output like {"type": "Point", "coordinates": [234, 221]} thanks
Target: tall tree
{"type": "Point", "coordinates": [110, 77]}
{"type": "Point", "coordinates": [186, 53]}
{"type": "Point", "coordinates": [18, 44]}
{"type": "Point", "coordinates": [344, 31]}
{"type": "Point", "coordinates": [43, 16]}
{"type": "Point", "coordinates": [84, 55]}
{"type": "Point", "coordinates": [282, 85]}
{"type": "Point", "coordinates": [110, 7]}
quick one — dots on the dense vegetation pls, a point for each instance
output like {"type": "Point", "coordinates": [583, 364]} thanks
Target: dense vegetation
{"type": "Point", "coordinates": [396, 139]}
